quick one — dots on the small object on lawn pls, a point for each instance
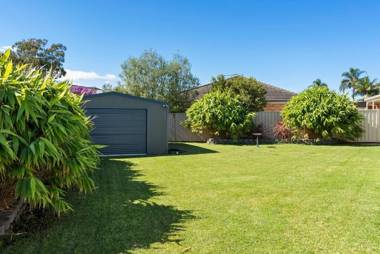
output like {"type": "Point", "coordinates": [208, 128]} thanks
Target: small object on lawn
{"type": "Point", "coordinates": [186, 249]}
{"type": "Point", "coordinates": [257, 135]}
{"type": "Point", "coordinates": [175, 151]}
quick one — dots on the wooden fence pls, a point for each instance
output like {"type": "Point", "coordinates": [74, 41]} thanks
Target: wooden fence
{"type": "Point", "coordinates": [177, 132]}
{"type": "Point", "coordinates": [371, 125]}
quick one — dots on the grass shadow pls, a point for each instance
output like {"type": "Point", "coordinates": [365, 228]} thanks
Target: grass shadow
{"type": "Point", "coordinates": [187, 149]}
{"type": "Point", "coordinates": [116, 218]}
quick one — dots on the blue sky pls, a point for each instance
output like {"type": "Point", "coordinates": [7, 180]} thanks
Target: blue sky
{"type": "Point", "coordinates": [285, 43]}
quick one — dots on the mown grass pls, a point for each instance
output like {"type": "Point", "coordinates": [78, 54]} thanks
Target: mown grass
{"type": "Point", "coordinates": [225, 199]}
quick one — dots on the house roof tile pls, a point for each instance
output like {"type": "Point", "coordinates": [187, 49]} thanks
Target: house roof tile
{"type": "Point", "coordinates": [273, 94]}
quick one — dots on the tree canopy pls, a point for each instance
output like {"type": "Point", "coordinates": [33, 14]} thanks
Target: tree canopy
{"type": "Point", "coordinates": [359, 85]}
{"type": "Point", "coordinates": [318, 82]}
{"type": "Point", "coordinates": [319, 112]}
{"type": "Point", "coordinates": [350, 80]}
{"type": "Point", "coordinates": [220, 114]}
{"type": "Point", "coordinates": [36, 53]}
{"type": "Point", "coordinates": [152, 76]}
{"type": "Point", "coordinates": [249, 90]}
{"type": "Point", "coordinates": [367, 87]}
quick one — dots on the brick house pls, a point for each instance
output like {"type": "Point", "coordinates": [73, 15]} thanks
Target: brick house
{"type": "Point", "coordinates": [276, 97]}
{"type": "Point", "coordinates": [372, 102]}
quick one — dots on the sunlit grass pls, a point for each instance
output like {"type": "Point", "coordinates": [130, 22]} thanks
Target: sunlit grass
{"type": "Point", "coordinates": [226, 199]}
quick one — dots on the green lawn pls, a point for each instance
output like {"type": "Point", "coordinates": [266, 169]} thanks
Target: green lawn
{"type": "Point", "coordinates": [225, 199]}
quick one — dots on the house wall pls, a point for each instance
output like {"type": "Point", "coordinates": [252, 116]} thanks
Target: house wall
{"type": "Point", "coordinates": [157, 140]}
{"type": "Point", "coordinates": [377, 106]}
{"type": "Point", "coordinates": [274, 106]}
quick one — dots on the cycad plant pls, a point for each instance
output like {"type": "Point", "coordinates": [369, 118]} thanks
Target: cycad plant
{"type": "Point", "coordinates": [45, 147]}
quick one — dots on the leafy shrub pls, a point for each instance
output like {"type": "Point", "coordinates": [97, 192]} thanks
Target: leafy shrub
{"type": "Point", "coordinates": [281, 132]}
{"type": "Point", "coordinates": [318, 113]}
{"type": "Point", "coordinates": [220, 114]}
{"type": "Point", "coordinates": [44, 138]}
{"type": "Point", "coordinates": [250, 91]}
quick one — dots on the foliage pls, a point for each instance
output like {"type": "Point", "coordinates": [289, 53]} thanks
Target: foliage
{"type": "Point", "coordinates": [220, 114]}
{"type": "Point", "coordinates": [250, 91]}
{"type": "Point", "coordinates": [35, 53]}
{"type": "Point", "coordinates": [107, 87]}
{"type": "Point", "coordinates": [367, 87]}
{"type": "Point", "coordinates": [360, 86]}
{"type": "Point", "coordinates": [44, 137]}
{"type": "Point", "coordinates": [318, 82]}
{"type": "Point", "coordinates": [151, 76]}
{"type": "Point", "coordinates": [351, 80]}
{"type": "Point", "coordinates": [321, 113]}
{"type": "Point", "coordinates": [282, 132]}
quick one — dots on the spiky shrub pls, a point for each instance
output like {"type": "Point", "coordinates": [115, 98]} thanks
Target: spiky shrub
{"type": "Point", "coordinates": [220, 114]}
{"type": "Point", "coordinates": [319, 113]}
{"type": "Point", "coordinates": [44, 138]}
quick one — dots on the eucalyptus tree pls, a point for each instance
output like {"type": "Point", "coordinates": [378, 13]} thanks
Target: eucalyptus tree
{"type": "Point", "coordinates": [37, 53]}
{"type": "Point", "coordinates": [152, 76]}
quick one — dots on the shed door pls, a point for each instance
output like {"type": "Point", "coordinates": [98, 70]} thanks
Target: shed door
{"type": "Point", "coordinates": [123, 131]}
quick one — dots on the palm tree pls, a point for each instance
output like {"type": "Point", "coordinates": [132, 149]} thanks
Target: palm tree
{"type": "Point", "coordinates": [319, 82]}
{"type": "Point", "coordinates": [367, 87]}
{"type": "Point", "coordinates": [350, 80]}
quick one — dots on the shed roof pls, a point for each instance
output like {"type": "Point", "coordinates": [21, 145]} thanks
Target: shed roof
{"type": "Point", "coordinates": [126, 96]}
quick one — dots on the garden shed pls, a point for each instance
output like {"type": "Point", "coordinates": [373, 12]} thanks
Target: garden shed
{"type": "Point", "coordinates": [128, 125]}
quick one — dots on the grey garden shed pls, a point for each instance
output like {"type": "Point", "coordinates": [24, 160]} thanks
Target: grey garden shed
{"type": "Point", "coordinates": [128, 125]}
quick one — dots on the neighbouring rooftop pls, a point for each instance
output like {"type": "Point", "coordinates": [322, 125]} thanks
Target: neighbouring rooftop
{"type": "Point", "coordinates": [274, 93]}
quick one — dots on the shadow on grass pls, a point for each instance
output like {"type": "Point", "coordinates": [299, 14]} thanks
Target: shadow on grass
{"type": "Point", "coordinates": [116, 218]}
{"type": "Point", "coordinates": [187, 149]}
{"type": "Point", "coordinates": [359, 144]}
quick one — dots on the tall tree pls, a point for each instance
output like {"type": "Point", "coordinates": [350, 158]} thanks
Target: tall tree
{"type": "Point", "coordinates": [351, 80]}
{"type": "Point", "coordinates": [152, 76]}
{"type": "Point", "coordinates": [367, 87]}
{"type": "Point", "coordinates": [36, 53]}
{"type": "Point", "coordinates": [250, 91]}
{"type": "Point", "coordinates": [318, 82]}
{"type": "Point", "coordinates": [107, 87]}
